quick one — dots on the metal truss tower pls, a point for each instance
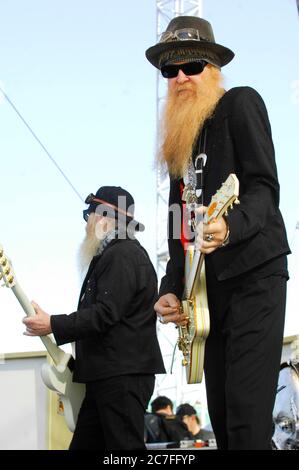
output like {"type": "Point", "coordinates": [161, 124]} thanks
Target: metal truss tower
{"type": "Point", "coordinates": [166, 10]}
{"type": "Point", "coordinates": [173, 386]}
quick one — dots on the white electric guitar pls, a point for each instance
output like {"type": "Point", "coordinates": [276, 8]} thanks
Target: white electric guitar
{"type": "Point", "coordinates": [57, 376]}
{"type": "Point", "coordinates": [192, 337]}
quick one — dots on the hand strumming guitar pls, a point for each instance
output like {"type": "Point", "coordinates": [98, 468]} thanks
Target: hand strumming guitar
{"type": "Point", "coordinates": [168, 309]}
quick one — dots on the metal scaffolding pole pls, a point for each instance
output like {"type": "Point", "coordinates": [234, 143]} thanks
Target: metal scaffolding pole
{"type": "Point", "coordinates": [170, 385]}
{"type": "Point", "coordinates": [166, 10]}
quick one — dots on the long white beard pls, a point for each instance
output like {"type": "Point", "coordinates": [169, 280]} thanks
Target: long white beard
{"type": "Point", "coordinates": [87, 250]}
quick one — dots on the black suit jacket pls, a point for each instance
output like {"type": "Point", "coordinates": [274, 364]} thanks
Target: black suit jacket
{"type": "Point", "coordinates": [238, 141]}
{"type": "Point", "coordinates": [115, 324]}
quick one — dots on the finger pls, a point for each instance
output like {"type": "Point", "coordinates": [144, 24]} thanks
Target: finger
{"type": "Point", "coordinates": [201, 210]}
{"type": "Point", "coordinates": [169, 302]}
{"type": "Point", "coordinates": [207, 251]}
{"type": "Point", "coordinates": [174, 318]}
{"type": "Point", "coordinates": [26, 333]}
{"type": "Point", "coordinates": [182, 323]}
{"type": "Point", "coordinates": [209, 231]}
{"type": "Point", "coordinates": [36, 307]}
{"type": "Point", "coordinates": [29, 332]}
{"type": "Point", "coordinates": [203, 244]}
{"type": "Point", "coordinates": [212, 228]}
{"type": "Point", "coordinates": [166, 310]}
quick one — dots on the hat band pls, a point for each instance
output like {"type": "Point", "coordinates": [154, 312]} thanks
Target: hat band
{"type": "Point", "coordinates": [184, 34]}
{"type": "Point", "coordinates": [101, 201]}
{"type": "Point", "coordinates": [189, 54]}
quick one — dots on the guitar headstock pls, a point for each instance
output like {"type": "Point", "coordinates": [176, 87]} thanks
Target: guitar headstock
{"type": "Point", "coordinates": [6, 270]}
{"type": "Point", "coordinates": [224, 199]}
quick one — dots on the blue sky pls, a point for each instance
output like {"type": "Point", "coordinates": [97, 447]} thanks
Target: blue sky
{"type": "Point", "coordinates": [77, 73]}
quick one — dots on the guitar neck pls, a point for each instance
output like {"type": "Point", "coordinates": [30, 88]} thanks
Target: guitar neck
{"type": "Point", "coordinates": [58, 355]}
{"type": "Point", "coordinates": [197, 263]}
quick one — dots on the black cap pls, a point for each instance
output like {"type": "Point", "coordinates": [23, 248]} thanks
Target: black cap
{"type": "Point", "coordinates": [115, 202]}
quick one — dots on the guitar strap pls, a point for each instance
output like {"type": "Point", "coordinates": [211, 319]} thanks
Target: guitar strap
{"type": "Point", "coordinates": [192, 192]}
{"type": "Point", "coordinates": [199, 164]}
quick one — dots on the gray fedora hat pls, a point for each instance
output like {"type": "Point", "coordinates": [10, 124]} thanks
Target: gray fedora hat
{"type": "Point", "coordinates": [188, 38]}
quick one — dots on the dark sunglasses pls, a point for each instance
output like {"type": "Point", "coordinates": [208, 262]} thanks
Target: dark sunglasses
{"type": "Point", "coordinates": [189, 68]}
{"type": "Point", "coordinates": [86, 214]}
{"type": "Point", "coordinates": [89, 200]}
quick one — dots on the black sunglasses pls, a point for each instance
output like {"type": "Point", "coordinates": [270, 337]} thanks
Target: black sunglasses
{"type": "Point", "coordinates": [89, 200]}
{"type": "Point", "coordinates": [86, 214]}
{"type": "Point", "coordinates": [189, 68]}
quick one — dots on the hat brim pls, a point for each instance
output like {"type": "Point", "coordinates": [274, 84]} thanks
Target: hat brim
{"type": "Point", "coordinates": [224, 54]}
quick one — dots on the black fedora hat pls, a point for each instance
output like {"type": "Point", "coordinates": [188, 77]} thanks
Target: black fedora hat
{"type": "Point", "coordinates": [188, 38]}
{"type": "Point", "coordinates": [114, 202]}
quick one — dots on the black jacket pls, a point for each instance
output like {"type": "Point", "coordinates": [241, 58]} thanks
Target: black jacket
{"type": "Point", "coordinates": [238, 141]}
{"type": "Point", "coordinates": [115, 324]}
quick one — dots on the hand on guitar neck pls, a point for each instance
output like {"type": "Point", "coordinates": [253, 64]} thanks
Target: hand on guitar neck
{"type": "Point", "coordinates": [168, 309]}
{"type": "Point", "coordinates": [39, 324]}
{"type": "Point", "coordinates": [210, 236]}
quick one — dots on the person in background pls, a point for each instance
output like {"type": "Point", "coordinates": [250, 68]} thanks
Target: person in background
{"type": "Point", "coordinates": [162, 425]}
{"type": "Point", "coordinates": [162, 405]}
{"type": "Point", "coordinates": [188, 415]}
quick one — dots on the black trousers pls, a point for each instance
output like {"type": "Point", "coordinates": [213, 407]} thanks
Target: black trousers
{"type": "Point", "coordinates": [242, 359]}
{"type": "Point", "coordinates": [112, 414]}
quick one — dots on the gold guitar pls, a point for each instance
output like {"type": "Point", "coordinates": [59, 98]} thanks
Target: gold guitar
{"type": "Point", "coordinates": [192, 337]}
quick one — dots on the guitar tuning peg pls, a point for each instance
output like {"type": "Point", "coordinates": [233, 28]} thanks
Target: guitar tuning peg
{"type": "Point", "coordinates": [3, 261]}
{"type": "Point", "coordinates": [237, 201]}
{"type": "Point", "coordinates": [10, 279]}
{"type": "Point", "coordinates": [231, 206]}
{"type": "Point", "coordinates": [6, 270]}
{"type": "Point", "coordinates": [226, 213]}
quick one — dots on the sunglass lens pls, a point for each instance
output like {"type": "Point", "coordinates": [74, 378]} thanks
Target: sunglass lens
{"type": "Point", "coordinates": [193, 68]}
{"type": "Point", "coordinates": [169, 71]}
{"type": "Point", "coordinates": [85, 214]}
{"type": "Point", "coordinates": [190, 68]}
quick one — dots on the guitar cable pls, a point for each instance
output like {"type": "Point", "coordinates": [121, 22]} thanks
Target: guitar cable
{"type": "Point", "coordinates": [173, 356]}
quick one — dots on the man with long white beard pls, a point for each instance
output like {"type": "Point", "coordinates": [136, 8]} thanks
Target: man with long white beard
{"type": "Point", "coordinates": [245, 262]}
{"type": "Point", "coordinates": [114, 327]}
